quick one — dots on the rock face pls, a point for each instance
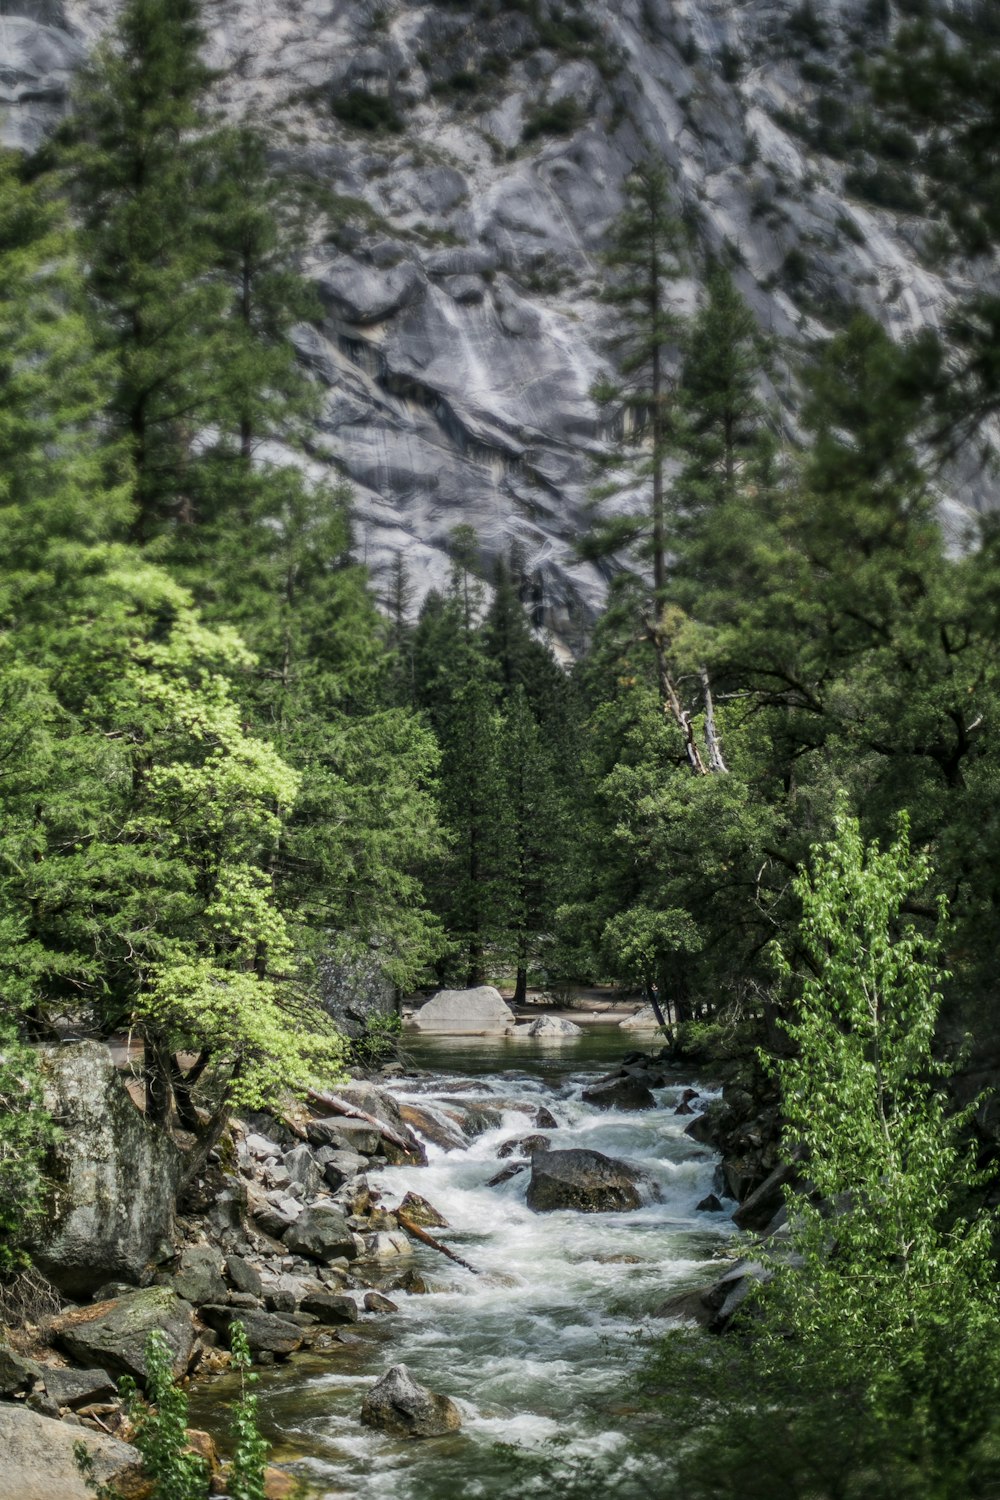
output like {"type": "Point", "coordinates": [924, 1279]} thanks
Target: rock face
{"type": "Point", "coordinates": [115, 1176]}
{"type": "Point", "coordinates": [554, 1027]}
{"type": "Point", "coordinates": [586, 1181]}
{"type": "Point", "coordinates": [37, 1459]}
{"type": "Point", "coordinates": [461, 332]}
{"type": "Point", "coordinates": [113, 1334]}
{"type": "Point", "coordinates": [476, 1012]}
{"type": "Point", "coordinates": [398, 1405]}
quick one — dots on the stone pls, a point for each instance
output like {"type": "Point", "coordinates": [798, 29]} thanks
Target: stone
{"type": "Point", "coordinates": [709, 1205]}
{"type": "Point", "coordinates": [16, 1372]}
{"type": "Point", "coordinates": [330, 1309]}
{"type": "Point", "coordinates": [642, 1020]}
{"type": "Point", "coordinates": [345, 1134]}
{"type": "Point", "coordinates": [243, 1276]}
{"type": "Point", "coordinates": [340, 1166]}
{"type": "Point", "coordinates": [386, 1245]}
{"type": "Point", "coordinates": [37, 1459]}
{"type": "Point", "coordinates": [410, 1282]}
{"type": "Point", "coordinates": [383, 1106]}
{"type": "Point", "coordinates": [476, 1012]}
{"type": "Point", "coordinates": [422, 1212]}
{"type": "Point", "coordinates": [322, 1233]}
{"type": "Point", "coordinates": [524, 1145]}
{"type": "Point", "coordinates": [398, 1405]}
{"type": "Point", "coordinates": [198, 1278]}
{"type": "Point", "coordinates": [376, 1303]}
{"type": "Point", "coordinates": [759, 1208]}
{"type": "Point", "coordinates": [267, 1333]}
{"type": "Point", "coordinates": [76, 1388]}
{"type": "Point", "coordinates": [115, 1177]}
{"type": "Point", "coordinates": [512, 1169]}
{"type": "Point", "coordinates": [303, 1170]}
{"type": "Point", "coordinates": [434, 1125]}
{"type": "Point", "coordinates": [586, 1181]}
{"type": "Point", "coordinates": [554, 1028]}
{"type": "Point", "coordinates": [621, 1093]}
{"type": "Point", "coordinates": [113, 1334]}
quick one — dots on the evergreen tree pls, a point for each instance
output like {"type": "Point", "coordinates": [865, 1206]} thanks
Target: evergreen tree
{"type": "Point", "coordinates": [140, 177]}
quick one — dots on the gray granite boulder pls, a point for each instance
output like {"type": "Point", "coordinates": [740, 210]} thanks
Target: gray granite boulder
{"type": "Point", "coordinates": [37, 1460]}
{"type": "Point", "coordinates": [115, 1176]}
{"type": "Point", "coordinates": [586, 1181]}
{"type": "Point", "coordinates": [323, 1234]}
{"type": "Point", "coordinates": [113, 1334]}
{"type": "Point", "coordinates": [398, 1405]}
{"type": "Point", "coordinates": [477, 1012]}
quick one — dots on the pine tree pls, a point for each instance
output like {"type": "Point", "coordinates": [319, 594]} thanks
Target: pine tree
{"type": "Point", "coordinates": [139, 174]}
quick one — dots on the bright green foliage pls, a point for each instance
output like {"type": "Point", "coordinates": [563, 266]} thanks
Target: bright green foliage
{"type": "Point", "coordinates": [245, 1479]}
{"type": "Point", "coordinates": [25, 1133]}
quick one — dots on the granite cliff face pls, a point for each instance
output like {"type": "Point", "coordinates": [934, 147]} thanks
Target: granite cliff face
{"type": "Point", "coordinates": [473, 156]}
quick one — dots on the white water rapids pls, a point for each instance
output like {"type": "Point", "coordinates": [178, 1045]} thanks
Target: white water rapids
{"type": "Point", "coordinates": [537, 1344]}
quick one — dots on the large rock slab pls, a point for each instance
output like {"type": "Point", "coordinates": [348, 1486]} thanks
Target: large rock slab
{"type": "Point", "coordinates": [38, 1463]}
{"type": "Point", "coordinates": [113, 1334]}
{"type": "Point", "coordinates": [586, 1181]}
{"type": "Point", "coordinates": [115, 1176]}
{"type": "Point", "coordinates": [398, 1405]}
{"type": "Point", "coordinates": [477, 1012]}
{"type": "Point", "coordinates": [642, 1020]}
{"type": "Point", "coordinates": [267, 1333]}
{"type": "Point", "coordinates": [620, 1093]}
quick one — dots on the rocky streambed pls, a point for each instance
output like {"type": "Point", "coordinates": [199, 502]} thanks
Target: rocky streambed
{"type": "Point", "coordinates": [496, 1220]}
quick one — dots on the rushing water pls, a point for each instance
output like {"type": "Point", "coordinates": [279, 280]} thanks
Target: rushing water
{"type": "Point", "coordinates": [534, 1345]}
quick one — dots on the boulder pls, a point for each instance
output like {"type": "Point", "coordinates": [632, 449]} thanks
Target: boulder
{"type": "Point", "coordinates": [76, 1388]}
{"type": "Point", "coordinates": [198, 1278]}
{"type": "Point", "coordinates": [386, 1245]}
{"type": "Point", "coordinates": [376, 1303]}
{"type": "Point", "coordinates": [243, 1276]}
{"type": "Point", "coordinates": [38, 1461]}
{"type": "Point", "coordinates": [709, 1205]}
{"type": "Point", "coordinates": [302, 1168]}
{"type": "Point", "coordinates": [113, 1334]}
{"type": "Point", "coordinates": [759, 1208]}
{"type": "Point", "coordinates": [330, 1309]}
{"type": "Point", "coordinates": [383, 1106]}
{"type": "Point", "coordinates": [340, 1166]}
{"type": "Point", "coordinates": [434, 1125]}
{"type": "Point", "coordinates": [620, 1093]}
{"type": "Point", "coordinates": [586, 1181]}
{"type": "Point", "coordinates": [398, 1405]}
{"type": "Point", "coordinates": [422, 1212]}
{"type": "Point", "coordinates": [477, 1012]}
{"type": "Point", "coordinates": [524, 1145]}
{"type": "Point", "coordinates": [267, 1333]}
{"type": "Point", "coordinates": [323, 1234]}
{"type": "Point", "coordinates": [16, 1372]}
{"type": "Point", "coordinates": [512, 1169]}
{"type": "Point", "coordinates": [115, 1177]}
{"type": "Point", "coordinates": [554, 1028]}
{"type": "Point", "coordinates": [642, 1020]}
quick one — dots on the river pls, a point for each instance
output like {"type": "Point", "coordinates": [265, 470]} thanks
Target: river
{"type": "Point", "coordinates": [537, 1344]}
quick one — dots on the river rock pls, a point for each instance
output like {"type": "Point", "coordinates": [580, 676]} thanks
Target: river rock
{"type": "Point", "coordinates": [302, 1169]}
{"type": "Point", "coordinates": [434, 1125]}
{"type": "Point", "coordinates": [554, 1028]}
{"type": "Point", "coordinates": [267, 1333]}
{"type": "Point", "coordinates": [512, 1169]}
{"type": "Point", "coordinates": [524, 1145]}
{"type": "Point", "coordinates": [477, 1012]}
{"type": "Point", "coordinates": [114, 1334]}
{"type": "Point", "coordinates": [322, 1233]}
{"type": "Point", "coordinates": [330, 1309]}
{"type": "Point", "coordinates": [586, 1181]}
{"type": "Point", "coordinates": [386, 1245]}
{"type": "Point", "coordinates": [115, 1177]}
{"type": "Point", "coordinates": [198, 1278]}
{"type": "Point", "coordinates": [398, 1405]}
{"type": "Point", "coordinates": [16, 1372]}
{"type": "Point", "coordinates": [758, 1210]}
{"type": "Point", "coordinates": [376, 1303]}
{"type": "Point", "coordinates": [76, 1388]}
{"type": "Point", "coordinates": [38, 1463]}
{"type": "Point", "coordinates": [422, 1212]}
{"type": "Point", "coordinates": [243, 1276]}
{"type": "Point", "coordinates": [340, 1166]}
{"type": "Point", "coordinates": [620, 1093]}
{"type": "Point", "coordinates": [642, 1020]}
{"type": "Point", "coordinates": [383, 1106]}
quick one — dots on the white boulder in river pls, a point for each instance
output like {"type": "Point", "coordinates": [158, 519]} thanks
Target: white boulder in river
{"type": "Point", "coordinates": [553, 1027]}
{"type": "Point", "coordinates": [478, 1012]}
{"type": "Point", "coordinates": [642, 1020]}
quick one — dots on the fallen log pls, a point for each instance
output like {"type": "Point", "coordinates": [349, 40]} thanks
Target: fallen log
{"type": "Point", "coordinates": [428, 1239]}
{"type": "Point", "coordinates": [335, 1106]}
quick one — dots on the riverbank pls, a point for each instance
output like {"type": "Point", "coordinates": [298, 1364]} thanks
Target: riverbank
{"type": "Point", "coordinates": [294, 1226]}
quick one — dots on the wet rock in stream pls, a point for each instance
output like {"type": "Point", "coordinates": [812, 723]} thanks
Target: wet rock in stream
{"type": "Point", "coordinates": [586, 1181]}
{"type": "Point", "coordinates": [398, 1405]}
